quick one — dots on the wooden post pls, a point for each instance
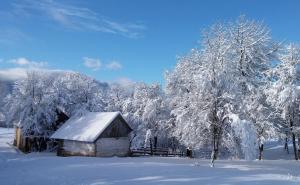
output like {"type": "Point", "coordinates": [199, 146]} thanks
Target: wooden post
{"type": "Point", "coordinates": [155, 142]}
{"type": "Point", "coordinates": [151, 148]}
{"type": "Point", "coordinates": [95, 148]}
{"type": "Point", "coordinates": [189, 153]}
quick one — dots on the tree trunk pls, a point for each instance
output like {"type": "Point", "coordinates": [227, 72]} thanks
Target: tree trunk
{"type": "Point", "coordinates": [261, 149]}
{"type": "Point", "coordinates": [294, 146]}
{"type": "Point", "coordinates": [214, 152]}
{"type": "Point", "coordinates": [215, 145]}
{"type": "Point", "coordinates": [286, 145]}
{"type": "Point", "coordinates": [293, 138]}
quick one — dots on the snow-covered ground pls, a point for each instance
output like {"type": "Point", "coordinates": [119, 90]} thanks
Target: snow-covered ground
{"type": "Point", "coordinates": [46, 169]}
{"type": "Point", "coordinates": [274, 151]}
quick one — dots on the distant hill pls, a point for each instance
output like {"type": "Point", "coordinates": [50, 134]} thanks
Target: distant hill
{"type": "Point", "coordinates": [6, 87]}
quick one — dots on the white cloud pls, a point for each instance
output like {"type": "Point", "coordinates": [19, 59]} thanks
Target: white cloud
{"type": "Point", "coordinates": [23, 62]}
{"type": "Point", "coordinates": [20, 61]}
{"type": "Point", "coordinates": [125, 82]}
{"type": "Point", "coordinates": [75, 17]}
{"type": "Point", "coordinates": [114, 65]}
{"type": "Point", "coordinates": [92, 63]}
{"type": "Point", "coordinates": [22, 66]}
{"type": "Point", "coordinates": [13, 74]}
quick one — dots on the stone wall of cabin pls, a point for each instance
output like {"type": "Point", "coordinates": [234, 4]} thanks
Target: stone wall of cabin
{"type": "Point", "coordinates": [106, 147]}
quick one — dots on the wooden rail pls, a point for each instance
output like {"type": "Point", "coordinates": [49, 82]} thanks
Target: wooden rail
{"type": "Point", "coordinates": [156, 151]}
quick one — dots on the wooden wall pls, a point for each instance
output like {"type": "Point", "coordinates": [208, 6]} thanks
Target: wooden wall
{"type": "Point", "coordinates": [76, 148]}
{"type": "Point", "coordinates": [118, 128]}
{"type": "Point", "coordinates": [29, 143]}
{"type": "Point", "coordinates": [17, 141]}
{"type": "Point", "coordinates": [20, 141]}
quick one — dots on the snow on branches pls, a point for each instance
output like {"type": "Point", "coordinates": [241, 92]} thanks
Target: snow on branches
{"type": "Point", "coordinates": [226, 76]}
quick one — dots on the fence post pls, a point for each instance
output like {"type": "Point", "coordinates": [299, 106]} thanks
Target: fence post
{"type": "Point", "coordinates": [151, 148]}
{"type": "Point", "coordinates": [155, 142]}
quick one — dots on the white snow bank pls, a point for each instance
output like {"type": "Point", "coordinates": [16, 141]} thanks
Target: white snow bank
{"type": "Point", "coordinates": [245, 131]}
{"type": "Point", "coordinates": [2, 117]}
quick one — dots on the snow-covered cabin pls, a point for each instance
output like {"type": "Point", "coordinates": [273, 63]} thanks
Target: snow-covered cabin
{"type": "Point", "coordinates": [94, 134]}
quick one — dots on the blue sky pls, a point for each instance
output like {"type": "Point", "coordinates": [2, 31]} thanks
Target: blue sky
{"type": "Point", "coordinates": [118, 40]}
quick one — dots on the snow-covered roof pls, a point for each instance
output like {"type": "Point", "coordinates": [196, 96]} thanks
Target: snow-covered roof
{"type": "Point", "coordinates": [85, 128]}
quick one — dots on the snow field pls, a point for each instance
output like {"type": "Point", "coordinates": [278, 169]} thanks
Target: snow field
{"type": "Point", "coordinates": [48, 169]}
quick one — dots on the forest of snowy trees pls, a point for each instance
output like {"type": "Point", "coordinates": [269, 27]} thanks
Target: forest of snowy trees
{"type": "Point", "coordinates": [237, 89]}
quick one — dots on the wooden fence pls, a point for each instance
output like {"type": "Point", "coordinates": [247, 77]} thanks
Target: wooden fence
{"type": "Point", "coordinates": [166, 152]}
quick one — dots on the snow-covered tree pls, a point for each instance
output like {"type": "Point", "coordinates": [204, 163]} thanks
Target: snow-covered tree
{"type": "Point", "coordinates": [77, 93]}
{"type": "Point", "coordinates": [253, 50]}
{"type": "Point", "coordinates": [264, 120]}
{"type": "Point", "coordinates": [284, 93]}
{"type": "Point", "coordinates": [143, 107]}
{"type": "Point", "coordinates": [201, 88]}
{"type": "Point", "coordinates": [180, 87]}
{"type": "Point", "coordinates": [31, 105]}
{"type": "Point", "coordinates": [34, 103]}
{"type": "Point", "coordinates": [225, 78]}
